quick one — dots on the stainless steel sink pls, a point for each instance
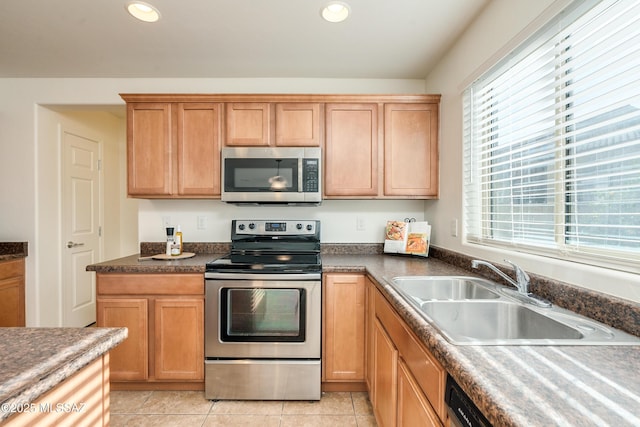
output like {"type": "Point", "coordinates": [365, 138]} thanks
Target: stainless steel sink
{"type": "Point", "coordinates": [495, 321]}
{"type": "Point", "coordinates": [425, 288]}
{"type": "Point", "coordinates": [473, 311]}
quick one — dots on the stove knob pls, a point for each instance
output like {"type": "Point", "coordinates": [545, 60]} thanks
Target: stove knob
{"type": "Point", "coordinates": [299, 226]}
{"type": "Point", "coordinates": [241, 226]}
{"type": "Point", "coordinates": [309, 227]}
{"type": "Point", "coordinates": [252, 226]}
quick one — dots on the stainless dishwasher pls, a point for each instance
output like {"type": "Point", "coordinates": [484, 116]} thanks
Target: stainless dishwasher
{"type": "Point", "coordinates": [462, 411]}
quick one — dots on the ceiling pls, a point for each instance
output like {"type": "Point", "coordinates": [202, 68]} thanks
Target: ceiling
{"type": "Point", "coordinates": [395, 39]}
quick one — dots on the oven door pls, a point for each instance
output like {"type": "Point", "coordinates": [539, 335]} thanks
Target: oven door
{"type": "Point", "coordinates": [262, 319]}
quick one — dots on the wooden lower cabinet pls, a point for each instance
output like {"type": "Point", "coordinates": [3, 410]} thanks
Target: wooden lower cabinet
{"type": "Point", "coordinates": [407, 382]}
{"type": "Point", "coordinates": [179, 339]}
{"type": "Point", "coordinates": [385, 377]}
{"type": "Point", "coordinates": [414, 408]}
{"type": "Point", "coordinates": [370, 316]}
{"type": "Point", "coordinates": [130, 360]}
{"type": "Point", "coordinates": [164, 315]}
{"type": "Point", "coordinates": [12, 309]}
{"type": "Point", "coordinates": [343, 341]}
{"type": "Point", "coordinates": [80, 400]}
{"type": "Point", "coordinates": [344, 327]}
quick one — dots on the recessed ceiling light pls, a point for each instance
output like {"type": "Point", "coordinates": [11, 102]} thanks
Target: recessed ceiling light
{"type": "Point", "coordinates": [143, 11]}
{"type": "Point", "coordinates": [335, 11]}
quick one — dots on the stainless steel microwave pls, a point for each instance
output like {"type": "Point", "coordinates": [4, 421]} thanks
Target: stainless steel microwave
{"type": "Point", "coordinates": [272, 175]}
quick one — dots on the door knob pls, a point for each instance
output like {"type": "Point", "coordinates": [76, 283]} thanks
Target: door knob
{"type": "Point", "coordinates": [71, 244]}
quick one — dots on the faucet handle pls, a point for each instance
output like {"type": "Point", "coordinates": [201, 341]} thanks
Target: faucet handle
{"type": "Point", "coordinates": [521, 276]}
{"type": "Point", "coordinates": [518, 269]}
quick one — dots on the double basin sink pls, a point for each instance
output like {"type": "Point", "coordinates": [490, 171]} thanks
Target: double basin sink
{"type": "Point", "coordinates": [474, 311]}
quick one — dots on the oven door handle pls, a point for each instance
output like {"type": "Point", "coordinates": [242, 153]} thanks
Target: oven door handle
{"type": "Point", "coordinates": [258, 276]}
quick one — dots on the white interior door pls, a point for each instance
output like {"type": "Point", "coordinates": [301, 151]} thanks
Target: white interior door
{"type": "Point", "coordinates": [81, 204]}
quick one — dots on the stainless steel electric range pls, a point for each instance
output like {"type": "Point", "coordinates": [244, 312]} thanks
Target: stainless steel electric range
{"type": "Point", "coordinates": [263, 313]}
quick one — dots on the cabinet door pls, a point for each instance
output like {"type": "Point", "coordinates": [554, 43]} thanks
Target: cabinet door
{"type": "Point", "coordinates": [179, 339]}
{"type": "Point", "coordinates": [344, 327]}
{"type": "Point", "coordinates": [12, 302]}
{"type": "Point", "coordinates": [351, 150]}
{"type": "Point", "coordinates": [298, 125]}
{"type": "Point", "coordinates": [370, 316]}
{"type": "Point", "coordinates": [149, 149]}
{"type": "Point", "coordinates": [198, 149]}
{"type": "Point", "coordinates": [411, 150]}
{"type": "Point", "coordinates": [248, 124]}
{"type": "Point", "coordinates": [12, 293]}
{"type": "Point", "coordinates": [129, 360]}
{"type": "Point", "coordinates": [385, 377]}
{"type": "Point", "coordinates": [413, 408]}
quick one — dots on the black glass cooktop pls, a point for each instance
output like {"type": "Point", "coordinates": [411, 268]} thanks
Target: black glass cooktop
{"type": "Point", "coordinates": [273, 262]}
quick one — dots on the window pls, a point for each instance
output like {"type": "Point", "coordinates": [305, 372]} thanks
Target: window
{"type": "Point", "coordinates": [552, 140]}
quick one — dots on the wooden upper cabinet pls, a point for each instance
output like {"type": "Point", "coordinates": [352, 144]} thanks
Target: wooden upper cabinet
{"type": "Point", "coordinates": [248, 124]}
{"type": "Point", "coordinates": [252, 124]}
{"type": "Point", "coordinates": [199, 149]}
{"type": "Point", "coordinates": [375, 146]}
{"type": "Point", "coordinates": [411, 150]}
{"type": "Point", "coordinates": [149, 149]}
{"type": "Point", "coordinates": [173, 149]}
{"type": "Point", "coordinates": [351, 150]}
{"type": "Point", "coordinates": [298, 125]}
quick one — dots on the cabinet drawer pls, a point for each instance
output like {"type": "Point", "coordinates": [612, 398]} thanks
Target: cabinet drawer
{"type": "Point", "coordinates": [150, 284]}
{"type": "Point", "coordinates": [9, 269]}
{"type": "Point", "coordinates": [428, 372]}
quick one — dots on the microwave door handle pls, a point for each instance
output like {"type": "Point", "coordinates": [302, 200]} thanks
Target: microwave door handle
{"type": "Point", "coordinates": [300, 173]}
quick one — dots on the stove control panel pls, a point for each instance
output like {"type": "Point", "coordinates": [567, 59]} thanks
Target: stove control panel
{"type": "Point", "coordinates": [269, 227]}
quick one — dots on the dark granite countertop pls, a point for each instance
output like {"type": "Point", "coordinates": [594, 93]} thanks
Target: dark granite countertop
{"type": "Point", "coordinates": [13, 250]}
{"type": "Point", "coordinates": [512, 385]}
{"type": "Point", "coordinates": [133, 264]}
{"type": "Point", "coordinates": [35, 360]}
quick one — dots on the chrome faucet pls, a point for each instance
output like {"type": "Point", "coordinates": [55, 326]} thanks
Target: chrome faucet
{"type": "Point", "coordinates": [522, 278]}
{"type": "Point", "coordinates": [521, 283]}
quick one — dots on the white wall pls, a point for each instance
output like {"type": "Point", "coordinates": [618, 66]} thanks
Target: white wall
{"type": "Point", "coordinates": [339, 218]}
{"type": "Point", "coordinates": [29, 201]}
{"type": "Point", "coordinates": [498, 29]}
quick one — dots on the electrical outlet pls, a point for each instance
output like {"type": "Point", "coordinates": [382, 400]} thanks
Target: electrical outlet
{"type": "Point", "coordinates": [202, 222]}
{"type": "Point", "coordinates": [360, 225]}
{"type": "Point", "coordinates": [454, 227]}
{"type": "Point", "coordinates": [166, 221]}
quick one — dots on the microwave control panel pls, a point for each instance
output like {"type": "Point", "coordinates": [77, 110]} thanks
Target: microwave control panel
{"type": "Point", "coordinates": [310, 175]}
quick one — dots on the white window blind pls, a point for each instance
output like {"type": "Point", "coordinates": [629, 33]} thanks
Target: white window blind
{"type": "Point", "coordinates": [552, 140]}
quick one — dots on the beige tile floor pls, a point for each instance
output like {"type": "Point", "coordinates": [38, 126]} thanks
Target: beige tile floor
{"type": "Point", "coordinates": [190, 408]}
